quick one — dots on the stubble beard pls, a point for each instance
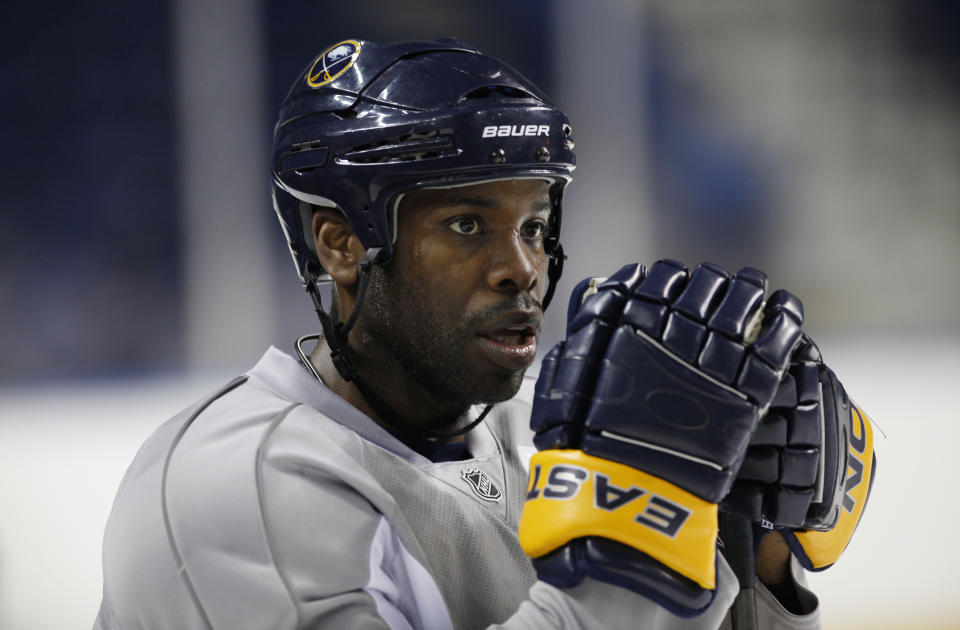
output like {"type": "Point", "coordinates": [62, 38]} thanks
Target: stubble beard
{"type": "Point", "coordinates": [428, 343]}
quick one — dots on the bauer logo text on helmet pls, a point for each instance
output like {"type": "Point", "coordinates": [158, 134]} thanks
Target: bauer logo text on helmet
{"type": "Point", "coordinates": [502, 131]}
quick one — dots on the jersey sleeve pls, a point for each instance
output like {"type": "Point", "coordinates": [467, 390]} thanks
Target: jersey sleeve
{"type": "Point", "coordinates": [771, 614]}
{"type": "Point", "coordinates": [595, 604]}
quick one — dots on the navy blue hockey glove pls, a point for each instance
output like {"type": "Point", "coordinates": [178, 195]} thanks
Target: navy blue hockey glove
{"type": "Point", "coordinates": [642, 417]}
{"type": "Point", "coordinates": [810, 465]}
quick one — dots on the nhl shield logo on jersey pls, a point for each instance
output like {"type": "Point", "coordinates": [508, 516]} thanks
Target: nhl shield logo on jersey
{"type": "Point", "coordinates": [333, 62]}
{"type": "Point", "coordinates": [481, 483]}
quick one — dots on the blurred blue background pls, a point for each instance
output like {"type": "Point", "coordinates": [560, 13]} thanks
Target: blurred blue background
{"type": "Point", "coordinates": [140, 260]}
{"type": "Point", "coordinates": [818, 142]}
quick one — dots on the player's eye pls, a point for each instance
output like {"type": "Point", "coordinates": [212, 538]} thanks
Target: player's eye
{"type": "Point", "coordinates": [535, 230]}
{"type": "Point", "coordinates": [465, 225]}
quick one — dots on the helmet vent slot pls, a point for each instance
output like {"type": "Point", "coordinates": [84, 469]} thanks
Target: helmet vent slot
{"type": "Point", "coordinates": [416, 145]}
{"type": "Point", "coordinates": [496, 91]}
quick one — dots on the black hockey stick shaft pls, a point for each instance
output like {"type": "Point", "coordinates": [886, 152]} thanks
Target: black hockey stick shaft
{"type": "Point", "coordinates": [736, 532]}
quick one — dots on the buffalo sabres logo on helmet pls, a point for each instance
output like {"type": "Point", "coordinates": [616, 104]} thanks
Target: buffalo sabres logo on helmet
{"type": "Point", "coordinates": [333, 62]}
{"type": "Point", "coordinates": [481, 483]}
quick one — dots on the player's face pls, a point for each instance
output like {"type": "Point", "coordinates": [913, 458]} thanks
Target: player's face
{"type": "Point", "coordinates": [459, 304]}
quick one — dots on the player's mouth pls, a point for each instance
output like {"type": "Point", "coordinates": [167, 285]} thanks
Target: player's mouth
{"type": "Point", "coordinates": [511, 346]}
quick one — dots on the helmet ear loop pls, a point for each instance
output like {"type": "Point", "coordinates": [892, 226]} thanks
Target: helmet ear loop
{"type": "Point", "coordinates": [554, 248]}
{"type": "Point", "coordinates": [366, 268]}
{"type": "Point", "coordinates": [331, 332]}
{"type": "Point", "coordinates": [336, 333]}
{"type": "Point", "coordinates": [554, 271]}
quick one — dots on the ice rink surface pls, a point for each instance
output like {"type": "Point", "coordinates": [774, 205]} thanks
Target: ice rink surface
{"type": "Point", "coordinates": [64, 449]}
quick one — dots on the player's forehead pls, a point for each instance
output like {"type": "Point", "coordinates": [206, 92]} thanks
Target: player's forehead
{"type": "Point", "coordinates": [525, 194]}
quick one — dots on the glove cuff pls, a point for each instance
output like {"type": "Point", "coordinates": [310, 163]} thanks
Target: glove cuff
{"type": "Point", "coordinates": [618, 564]}
{"type": "Point", "coordinates": [573, 495]}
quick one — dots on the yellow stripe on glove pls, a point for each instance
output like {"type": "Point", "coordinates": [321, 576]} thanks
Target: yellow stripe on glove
{"type": "Point", "coordinates": [824, 548]}
{"type": "Point", "coordinates": [572, 495]}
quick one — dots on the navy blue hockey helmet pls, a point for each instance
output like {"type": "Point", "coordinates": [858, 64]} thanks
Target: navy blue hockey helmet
{"type": "Point", "coordinates": [366, 122]}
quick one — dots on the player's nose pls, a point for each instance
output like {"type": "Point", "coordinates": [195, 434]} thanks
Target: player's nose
{"type": "Point", "coordinates": [515, 265]}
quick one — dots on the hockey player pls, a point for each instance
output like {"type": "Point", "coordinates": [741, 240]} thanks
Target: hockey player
{"type": "Point", "coordinates": [391, 478]}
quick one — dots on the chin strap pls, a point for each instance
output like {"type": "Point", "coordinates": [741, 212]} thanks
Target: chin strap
{"type": "Point", "coordinates": [336, 336]}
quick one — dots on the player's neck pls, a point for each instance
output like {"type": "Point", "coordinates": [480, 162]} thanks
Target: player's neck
{"type": "Point", "coordinates": [409, 403]}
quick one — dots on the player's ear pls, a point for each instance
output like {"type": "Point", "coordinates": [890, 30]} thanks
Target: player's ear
{"type": "Point", "coordinates": [338, 247]}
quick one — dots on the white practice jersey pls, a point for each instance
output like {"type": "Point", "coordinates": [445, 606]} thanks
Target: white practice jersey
{"type": "Point", "coordinates": [275, 504]}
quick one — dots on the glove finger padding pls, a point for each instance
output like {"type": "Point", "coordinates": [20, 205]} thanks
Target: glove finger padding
{"type": "Point", "coordinates": [564, 389]}
{"type": "Point", "coordinates": [779, 476]}
{"type": "Point", "coordinates": [653, 398]}
{"type": "Point", "coordinates": [818, 549]}
{"type": "Point", "coordinates": [849, 466]}
{"type": "Point", "coordinates": [810, 465]}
